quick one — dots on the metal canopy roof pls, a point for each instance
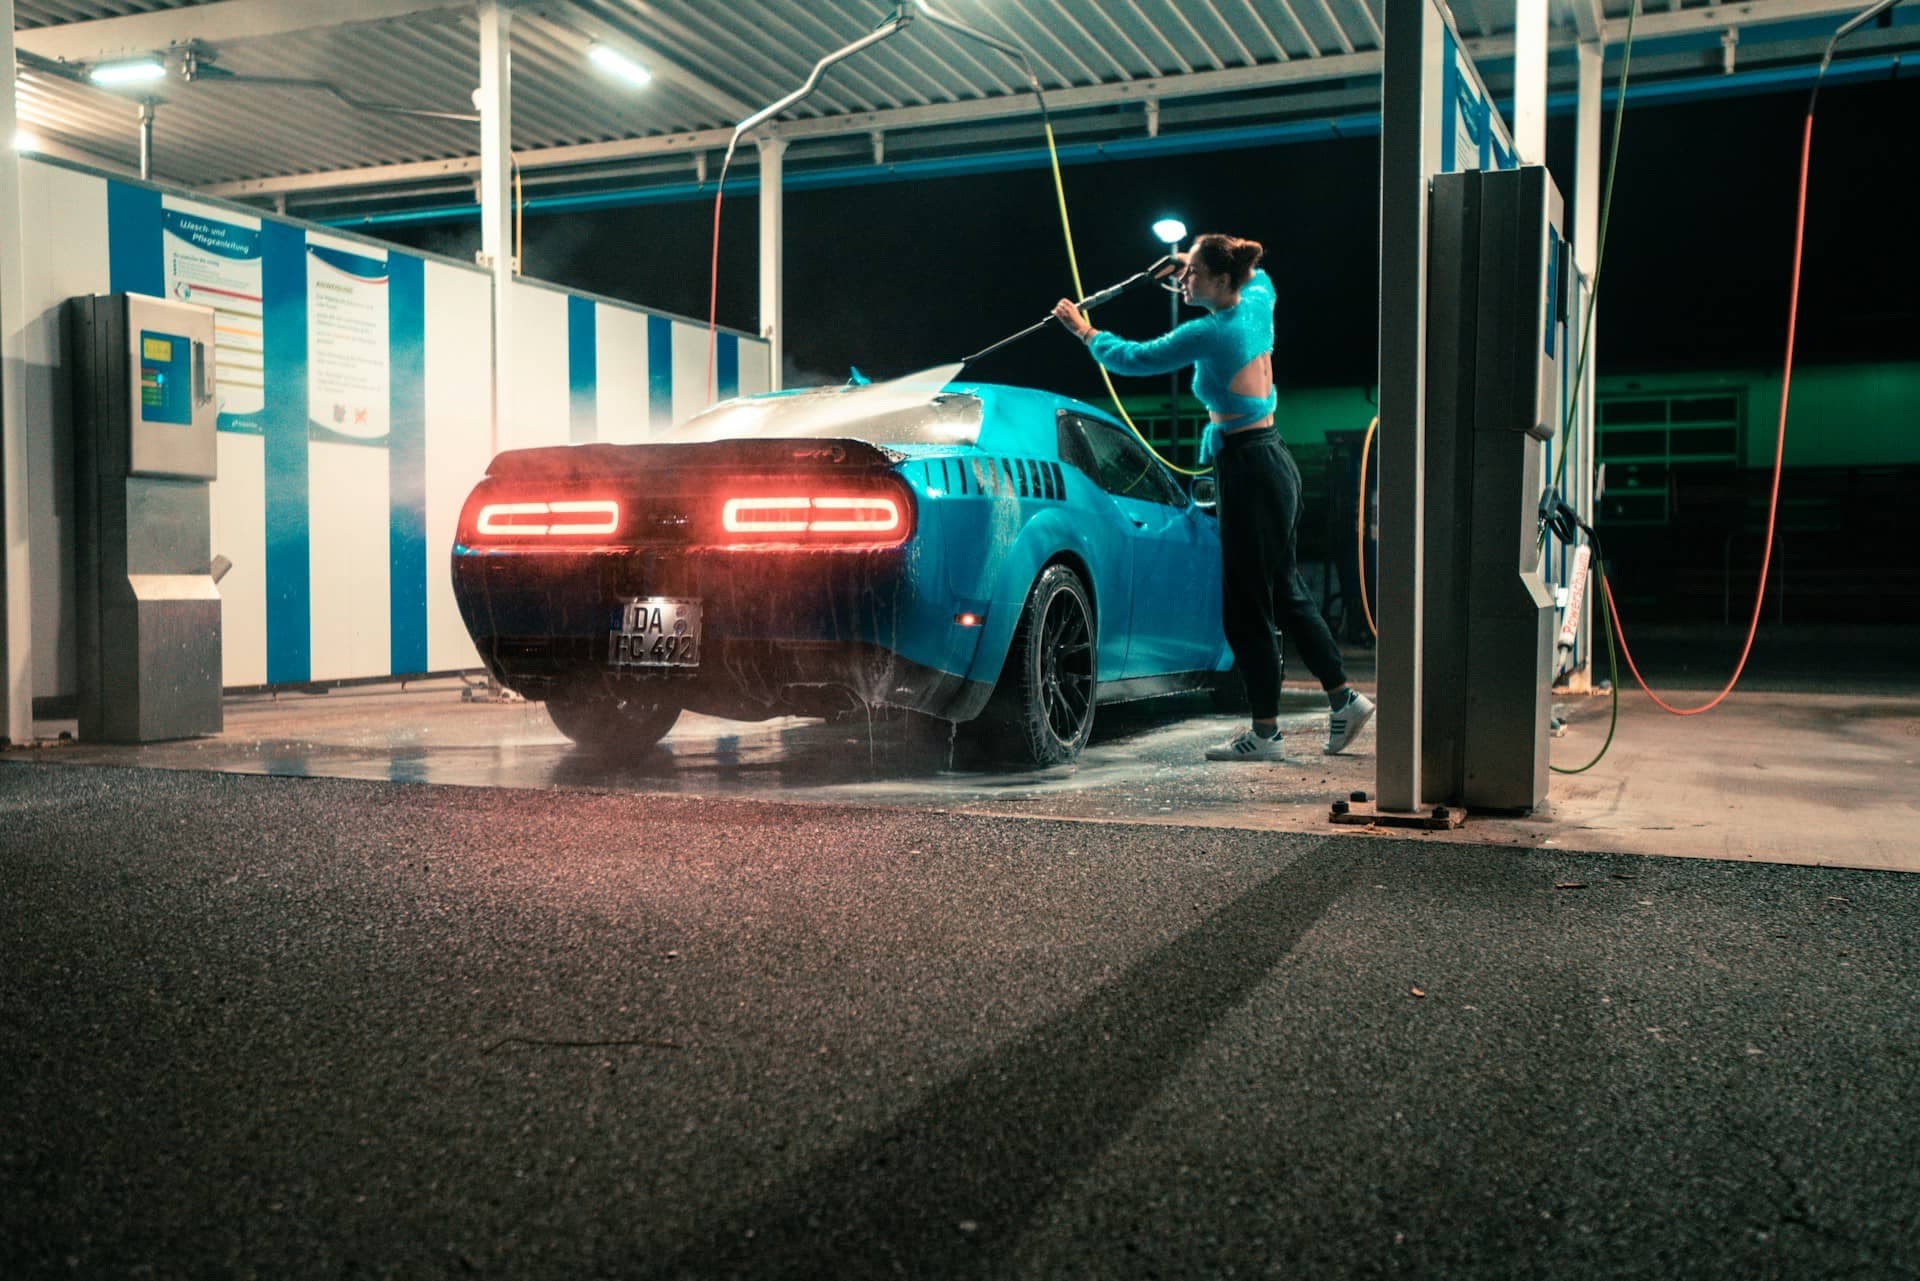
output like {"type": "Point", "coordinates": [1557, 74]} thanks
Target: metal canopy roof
{"type": "Point", "coordinates": [354, 103]}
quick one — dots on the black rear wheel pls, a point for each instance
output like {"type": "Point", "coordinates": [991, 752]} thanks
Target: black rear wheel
{"type": "Point", "coordinates": [612, 722]}
{"type": "Point", "coordinates": [1042, 710]}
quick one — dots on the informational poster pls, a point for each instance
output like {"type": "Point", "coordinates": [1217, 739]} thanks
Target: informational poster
{"type": "Point", "coordinates": [348, 355]}
{"type": "Point", "coordinates": [212, 258]}
{"type": "Point", "coordinates": [1469, 111]}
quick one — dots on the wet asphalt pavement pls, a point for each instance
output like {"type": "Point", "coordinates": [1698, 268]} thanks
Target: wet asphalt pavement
{"type": "Point", "coordinates": [279, 1028]}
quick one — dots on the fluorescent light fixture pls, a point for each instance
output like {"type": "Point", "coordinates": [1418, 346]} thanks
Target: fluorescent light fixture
{"type": "Point", "coordinates": [138, 71]}
{"type": "Point", "coordinates": [618, 65]}
{"type": "Point", "coordinates": [1170, 230]}
{"type": "Point", "coordinates": [24, 141]}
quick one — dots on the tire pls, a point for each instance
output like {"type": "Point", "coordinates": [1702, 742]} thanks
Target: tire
{"type": "Point", "coordinates": [609, 722]}
{"type": "Point", "coordinates": [1042, 709]}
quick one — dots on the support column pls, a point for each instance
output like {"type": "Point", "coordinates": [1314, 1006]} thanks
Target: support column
{"type": "Point", "coordinates": [1530, 81]}
{"type": "Point", "coordinates": [1409, 146]}
{"type": "Point", "coordinates": [1586, 173]}
{"type": "Point", "coordinates": [1586, 247]}
{"type": "Point", "coordinates": [773, 239]}
{"type": "Point", "coordinates": [16, 587]}
{"type": "Point", "coordinates": [146, 139]}
{"type": "Point", "coordinates": [496, 200]}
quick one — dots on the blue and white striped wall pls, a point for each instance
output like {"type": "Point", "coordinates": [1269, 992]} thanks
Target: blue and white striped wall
{"type": "Point", "coordinates": [340, 545]}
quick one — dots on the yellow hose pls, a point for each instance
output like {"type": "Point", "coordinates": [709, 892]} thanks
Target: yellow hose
{"type": "Point", "coordinates": [1073, 265]}
{"type": "Point", "coordinates": [1360, 525]}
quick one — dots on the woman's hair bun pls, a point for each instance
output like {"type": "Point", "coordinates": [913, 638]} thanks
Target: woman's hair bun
{"type": "Point", "coordinates": [1230, 256]}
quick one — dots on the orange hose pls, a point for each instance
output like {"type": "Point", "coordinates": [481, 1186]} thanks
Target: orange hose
{"type": "Point", "coordinates": [1779, 458]}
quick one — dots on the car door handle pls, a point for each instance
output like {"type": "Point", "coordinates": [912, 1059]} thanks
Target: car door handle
{"type": "Point", "coordinates": [1137, 522]}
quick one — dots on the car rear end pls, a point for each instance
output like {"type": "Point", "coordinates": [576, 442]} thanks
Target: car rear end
{"type": "Point", "coordinates": [738, 577]}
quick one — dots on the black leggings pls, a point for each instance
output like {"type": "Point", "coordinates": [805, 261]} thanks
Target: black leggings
{"type": "Point", "coordinates": [1259, 507]}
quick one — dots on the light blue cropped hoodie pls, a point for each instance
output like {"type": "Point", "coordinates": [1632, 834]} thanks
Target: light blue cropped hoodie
{"type": "Point", "coordinates": [1218, 345]}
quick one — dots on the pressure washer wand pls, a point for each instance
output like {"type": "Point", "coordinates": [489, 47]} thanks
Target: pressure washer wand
{"type": "Point", "coordinates": [1159, 271]}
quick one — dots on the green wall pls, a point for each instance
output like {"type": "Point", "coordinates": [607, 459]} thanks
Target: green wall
{"type": "Point", "coordinates": [1305, 414]}
{"type": "Point", "coordinates": [1840, 415]}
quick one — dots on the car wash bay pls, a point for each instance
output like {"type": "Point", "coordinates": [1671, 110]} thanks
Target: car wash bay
{"type": "Point", "coordinates": [386, 976]}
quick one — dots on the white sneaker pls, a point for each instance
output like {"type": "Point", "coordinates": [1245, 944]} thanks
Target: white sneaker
{"type": "Point", "coordinates": [1248, 746]}
{"type": "Point", "coordinates": [1345, 725]}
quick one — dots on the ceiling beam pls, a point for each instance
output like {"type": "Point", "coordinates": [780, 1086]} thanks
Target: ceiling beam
{"type": "Point", "coordinates": [1298, 71]}
{"type": "Point", "coordinates": [1752, 13]}
{"type": "Point", "coordinates": [1589, 19]}
{"type": "Point", "coordinates": [101, 39]}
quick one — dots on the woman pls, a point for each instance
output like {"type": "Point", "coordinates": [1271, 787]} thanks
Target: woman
{"type": "Point", "coordinates": [1231, 351]}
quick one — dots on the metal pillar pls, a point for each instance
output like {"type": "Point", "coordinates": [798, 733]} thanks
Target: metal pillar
{"type": "Point", "coordinates": [1173, 379]}
{"type": "Point", "coordinates": [1409, 151]}
{"type": "Point", "coordinates": [772, 248]}
{"type": "Point", "coordinates": [16, 588]}
{"type": "Point", "coordinates": [146, 139]}
{"type": "Point", "coordinates": [496, 200]}
{"type": "Point", "coordinates": [16, 580]}
{"type": "Point", "coordinates": [1586, 180]}
{"type": "Point", "coordinates": [1530, 81]}
{"type": "Point", "coordinates": [1586, 244]}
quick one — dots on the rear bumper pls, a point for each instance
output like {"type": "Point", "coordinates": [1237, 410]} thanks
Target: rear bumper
{"type": "Point", "coordinates": [786, 634]}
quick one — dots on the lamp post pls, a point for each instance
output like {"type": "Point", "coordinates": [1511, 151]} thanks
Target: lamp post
{"type": "Point", "coordinates": [1170, 232]}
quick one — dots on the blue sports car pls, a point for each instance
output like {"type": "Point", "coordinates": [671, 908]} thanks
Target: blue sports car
{"type": "Point", "coordinates": [988, 555]}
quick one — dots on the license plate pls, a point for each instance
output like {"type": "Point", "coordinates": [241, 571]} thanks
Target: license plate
{"type": "Point", "coordinates": [657, 631]}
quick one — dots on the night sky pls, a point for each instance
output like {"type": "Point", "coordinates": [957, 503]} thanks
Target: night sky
{"type": "Point", "coordinates": [898, 276]}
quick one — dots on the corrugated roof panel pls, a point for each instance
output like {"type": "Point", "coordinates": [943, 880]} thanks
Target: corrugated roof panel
{"type": "Point", "coordinates": [46, 13]}
{"type": "Point", "coordinates": [714, 64]}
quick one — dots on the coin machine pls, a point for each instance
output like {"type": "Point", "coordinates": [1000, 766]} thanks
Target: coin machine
{"type": "Point", "coordinates": [147, 609]}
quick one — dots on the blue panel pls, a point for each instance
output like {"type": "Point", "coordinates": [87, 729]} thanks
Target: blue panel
{"type": "Point", "coordinates": [289, 570]}
{"type": "Point", "coordinates": [1553, 284]}
{"type": "Point", "coordinates": [134, 263]}
{"type": "Point", "coordinates": [728, 360]}
{"type": "Point", "coordinates": [659, 369]}
{"type": "Point", "coordinates": [1449, 100]}
{"type": "Point", "coordinates": [407, 462]}
{"type": "Point", "coordinates": [582, 369]}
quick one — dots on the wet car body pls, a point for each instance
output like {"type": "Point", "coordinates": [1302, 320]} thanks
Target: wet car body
{"type": "Point", "coordinates": [971, 552]}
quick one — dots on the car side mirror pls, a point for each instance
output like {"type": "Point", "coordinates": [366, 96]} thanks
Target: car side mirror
{"type": "Point", "coordinates": [1205, 492]}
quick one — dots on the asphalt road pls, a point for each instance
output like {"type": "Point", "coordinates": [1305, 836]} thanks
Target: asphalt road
{"type": "Point", "coordinates": [288, 1028]}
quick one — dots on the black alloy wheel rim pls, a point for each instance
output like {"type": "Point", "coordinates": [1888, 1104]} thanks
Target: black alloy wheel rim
{"type": "Point", "coordinates": [1066, 666]}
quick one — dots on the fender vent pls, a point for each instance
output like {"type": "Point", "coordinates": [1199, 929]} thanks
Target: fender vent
{"type": "Point", "coordinates": [1014, 477]}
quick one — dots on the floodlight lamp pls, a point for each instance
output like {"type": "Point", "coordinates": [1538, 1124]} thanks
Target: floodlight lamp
{"type": "Point", "coordinates": [618, 65]}
{"type": "Point", "coordinates": [1170, 230]}
{"type": "Point", "coordinates": [134, 71]}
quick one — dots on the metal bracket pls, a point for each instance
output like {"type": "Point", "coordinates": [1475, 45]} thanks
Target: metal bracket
{"type": "Point", "coordinates": [1358, 811]}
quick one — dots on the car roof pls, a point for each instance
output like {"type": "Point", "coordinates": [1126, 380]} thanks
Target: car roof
{"type": "Point", "coordinates": [1005, 419]}
{"type": "Point", "coordinates": [1023, 419]}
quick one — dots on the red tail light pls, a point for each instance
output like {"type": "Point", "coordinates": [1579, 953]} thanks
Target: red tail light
{"type": "Point", "coordinates": [555, 519]}
{"type": "Point", "coordinates": [828, 514]}
{"type": "Point", "coordinates": [766, 515]}
{"type": "Point", "coordinates": [867, 519]}
{"type": "Point", "coordinates": [692, 511]}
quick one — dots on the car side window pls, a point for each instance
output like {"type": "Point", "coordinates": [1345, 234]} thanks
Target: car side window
{"type": "Point", "coordinates": [1073, 449]}
{"type": "Point", "coordinates": [1116, 462]}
